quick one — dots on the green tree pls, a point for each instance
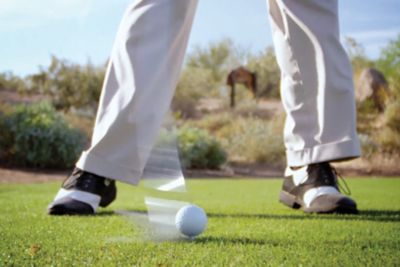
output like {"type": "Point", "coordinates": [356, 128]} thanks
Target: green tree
{"type": "Point", "coordinates": [389, 64]}
{"type": "Point", "coordinates": [204, 74]}
{"type": "Point", "coordinates": [194, 84]}
{"type": "Point", "coordinates": [219, 58]}
{"type": "Point", "coordinates": [357, 55]}
{"type": "Point", "coordinates": [71, 85]}
{"type": "Point", "coordinates": [9, 81]}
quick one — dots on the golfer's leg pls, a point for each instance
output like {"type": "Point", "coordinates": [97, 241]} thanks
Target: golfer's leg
{"type": "Point", "coordinates": [141, 77]}
{"type": "Point", "coordinates": [318, 97]}
{"type": "Point", "coordinates": [316, 87]}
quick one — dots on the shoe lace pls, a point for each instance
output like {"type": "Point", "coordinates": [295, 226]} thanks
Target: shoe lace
{"type": "Point", "coordinates": [341, 182]}
{"type": "Point", "coordinates": [329, 172]}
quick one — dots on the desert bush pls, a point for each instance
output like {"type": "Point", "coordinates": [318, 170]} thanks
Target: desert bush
{"type": "Point", "coordinates": [254, 140]}
{"type": "Point", "coordinates": [248, 108]}
{"type": "Point", "coordinates": [392, 116]}
{"type": "Point", "coordinates": [193, 84]}
{"type": "Point", "coordinates": [389, 64]}
{"type": "Point", "coordinates": [268, 73]}
{"type": "Point", "coordinates": [199, 150]}
{"type": "Point", "coordinates": [367, 108]}
{"type": "Point", "coordinates": [388, 137]}
{"type": "Point", "coordinates": [9, 81]}
{"type": "Point", "coordinates": [69, 85]}
{"type": "Point", "coordinates": [212, 122]}
{"type": "Point", "coordinates": [368, 146]}
{"type": "Point", "coordinates": [37, 136]}
{"type": "Point", "coordinates": [204, 75]}
{"type": "Point", "coordinates": [218, 57]}
{"type": "Point", "coordinates": [388, 140]}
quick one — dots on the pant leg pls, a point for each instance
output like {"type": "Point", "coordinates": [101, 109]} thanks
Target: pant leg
{"type": "Point", "coordinates": [140, 81]}
{"type": "Point", "coordinates": [316, 84]}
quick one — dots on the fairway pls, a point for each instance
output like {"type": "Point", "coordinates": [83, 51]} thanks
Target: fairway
{"type": "Point", "coordinates": [247, 227]}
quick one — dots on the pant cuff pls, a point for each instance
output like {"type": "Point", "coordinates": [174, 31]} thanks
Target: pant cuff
{"type": "Point", "coordinates": [336, 151]}
{"type": "Point", "coordinates": [101, 166]}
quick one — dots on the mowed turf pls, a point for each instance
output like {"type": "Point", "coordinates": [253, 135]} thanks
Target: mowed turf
{"type": "Point", "coordinates": [247, 227]}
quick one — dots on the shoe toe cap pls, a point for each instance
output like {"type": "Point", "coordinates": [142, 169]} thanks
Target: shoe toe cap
{"type": "Point", "coordinates": [333, 204]}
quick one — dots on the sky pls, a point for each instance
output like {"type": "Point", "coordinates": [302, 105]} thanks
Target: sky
{"type": "Point", "coordinates": [84, 30]}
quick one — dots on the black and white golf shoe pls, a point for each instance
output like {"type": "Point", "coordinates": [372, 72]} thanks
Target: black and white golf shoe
{"type": "Point", "coordinates": [81, 194]}
{"type": "Point", "coordinates": [315, 189]}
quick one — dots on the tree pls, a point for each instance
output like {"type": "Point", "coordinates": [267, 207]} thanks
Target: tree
{"type": "Point", "coordinates": [71, 85]}
{"type": "Point", "coordinates": [357, 55]}
{"type": "Point", "coordinates": [9, 81]}
{"type": "Point", "coordinates": [389, 64]}
{"type": "Point", "coordinates": [219, 58]}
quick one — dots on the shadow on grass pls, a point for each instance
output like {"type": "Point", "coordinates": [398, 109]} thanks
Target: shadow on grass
{"type": "Point", "coordinates": [364, 215]}
{"type": "Point", "coordinates": [106, 213]}
{"type": "Point", "coordinates": [230, 240]}
{"type": "Point", "coordinates": [362, 244]}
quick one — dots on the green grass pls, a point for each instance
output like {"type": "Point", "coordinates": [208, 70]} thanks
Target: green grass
{"type": "Point", "coordinates": [247, 227]}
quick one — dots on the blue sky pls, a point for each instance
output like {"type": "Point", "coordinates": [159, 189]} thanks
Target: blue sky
{"type": "Point", "coordinates": [79, 30]}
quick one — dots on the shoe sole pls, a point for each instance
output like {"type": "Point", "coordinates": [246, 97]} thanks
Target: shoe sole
{"type": "Point", "coordinates": [59, 211]}
{"type": "Point", "coordinates": [70, 206]}
{"type": "Point", "coordinates": [290, 201]}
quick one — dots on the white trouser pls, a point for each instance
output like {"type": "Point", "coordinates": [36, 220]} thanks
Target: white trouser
{"type": "Point", "coordinates": [317, 89]}
{"type": "Point", "coordinates": [316, 82]}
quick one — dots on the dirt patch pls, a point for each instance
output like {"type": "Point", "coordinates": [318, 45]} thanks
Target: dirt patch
{"type": "Point", "coordinates": [238, 170]}
{"type": "Point", "coordinates": [380, 165]}
{"type": "Point", "coordinates": [357, 167]}
{"type": "Point", "coordinates": [30, 176]}
{"type": "Point", "coordinates": [20, 176]}
{"type": "Point", "coordinates": [13, 97]}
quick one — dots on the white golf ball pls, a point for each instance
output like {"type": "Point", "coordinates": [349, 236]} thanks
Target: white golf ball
{"type": "Point", "coordinates": [191, 220]}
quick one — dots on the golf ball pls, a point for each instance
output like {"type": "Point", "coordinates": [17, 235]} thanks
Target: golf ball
{"type": "Point", "coordinates": [191, 220]}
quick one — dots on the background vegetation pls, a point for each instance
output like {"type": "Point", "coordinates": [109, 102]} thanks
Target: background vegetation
{"type": "Point", "coordinates": [251, 133]}
{"type": "Point", "coordinates": [38, 136]}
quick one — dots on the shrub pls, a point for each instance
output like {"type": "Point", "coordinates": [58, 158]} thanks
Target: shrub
{"type": "Point", "coordinates": [69, 85]}
{"type": "Point", "coordinates": [367, 107]}
{"type": "Point", "coordinates": [389, 140]}
{"type": "Point", "coordinates": [193, 84]}
{"type": "Point", "coordinates": [392, 116]}
{"type": "Point", "coordinates": [389, 64]}
{"type": "Point", "coordinates": [254, 140]}
{"type": "Point", "coordinates": [37, 136]}
{"type": "Point", "coordinates": [268, 73]}
{"type": "Point", "coordinates": [368, 146]}
{"type": "Point", "coordinates": [218, 58]}
{"type": "Point", "coordinates": [212, 122]}
{"type": "Point", "coordinates": [9, 81]}
{"type": "Point", "coordinates": [199, 150]}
